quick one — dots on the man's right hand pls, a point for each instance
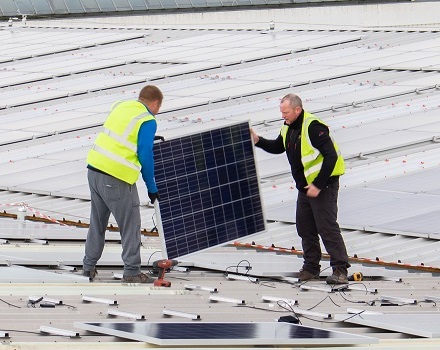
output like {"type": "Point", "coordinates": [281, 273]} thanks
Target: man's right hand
{"type": "Point", "coordinates": [255, 137]}
{"type": "Point", "coordinates": [153, 196]}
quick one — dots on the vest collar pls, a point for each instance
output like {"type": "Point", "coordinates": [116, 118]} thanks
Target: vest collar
{"type": "Point", "coordinates": [298, 122]}
{"type": "Point", "coordinates": [146, 108]}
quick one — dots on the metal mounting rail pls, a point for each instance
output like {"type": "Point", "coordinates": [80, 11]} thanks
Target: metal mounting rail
{"type": "Point", "coordinates": [355, 259]}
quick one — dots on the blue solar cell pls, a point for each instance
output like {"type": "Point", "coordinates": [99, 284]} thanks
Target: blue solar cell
{"type": "Point", "coordinates": [206, 334]}
{"type": "Point", "coordinates": [209, 189]}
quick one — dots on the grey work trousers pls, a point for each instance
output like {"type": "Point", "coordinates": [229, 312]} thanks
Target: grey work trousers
{"type": "Point", "coordinates": [111, 195]}
{"type": "Point", "coordinates": [317, 217]}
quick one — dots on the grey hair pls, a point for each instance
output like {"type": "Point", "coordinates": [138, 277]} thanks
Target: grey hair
{"type": "Point", "coordinates": [294, 100]}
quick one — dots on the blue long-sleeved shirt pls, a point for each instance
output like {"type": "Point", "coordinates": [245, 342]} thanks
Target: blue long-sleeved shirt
{"type": "Point", "coordinates": [145, 153]}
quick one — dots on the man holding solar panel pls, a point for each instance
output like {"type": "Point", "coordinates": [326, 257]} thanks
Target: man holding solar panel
{"type": "Point", "coordinates": [121, 151]}
{"type": "Point", "coordinates": [316, 164]}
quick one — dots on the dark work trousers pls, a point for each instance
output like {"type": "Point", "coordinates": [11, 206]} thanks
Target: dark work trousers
{"type": "Point", "coordinates": [111, 195]}
{"type": "Point", "coordinates": [317, 217]}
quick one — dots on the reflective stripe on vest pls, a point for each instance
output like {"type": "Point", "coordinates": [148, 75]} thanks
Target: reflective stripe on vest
{"type": "Point", "coordinates": [311, 158]}
{"type": "Point", "coordinates": [115, 149]}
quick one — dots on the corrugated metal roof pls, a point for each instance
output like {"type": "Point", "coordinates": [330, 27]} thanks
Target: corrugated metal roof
{"type": "Point", "coordinates": [378, 91]}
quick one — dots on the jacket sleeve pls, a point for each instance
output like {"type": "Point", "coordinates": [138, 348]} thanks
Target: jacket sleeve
{"type": "Point", "coordinates": [145, 153]}
{"type": "Point", "coordinates": [271, 146]}
{"type": "Point", "coordinates": [321, 140]}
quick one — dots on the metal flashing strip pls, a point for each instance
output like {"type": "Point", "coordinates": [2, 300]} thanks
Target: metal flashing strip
{"type": "Point", "coordinates": [167, 312]}
{"type": "Point", "coordinates": [20, 274]}
{"type": "Point", "coordinates": [216, 298]}
{"type": "Point", "coordinates": [113, 312]}
{"type": "Point", "coordinates": [198, 287]}
{"type": "Point", "coordinates": [225, 333]}
{"type": "Point", "coordinates": [364, 261]}
{"type": "Point", "coordinates": [58, 331]}
{"type": "Point", "coordinates": [99, 300]}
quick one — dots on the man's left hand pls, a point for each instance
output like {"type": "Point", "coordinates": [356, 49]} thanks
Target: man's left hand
{"type": "Point", "coordinates": [312, 191]}
{"type": "Point", "coordinates": [153, 197]}
{"type": "Point", "coordinates": [158, 137]}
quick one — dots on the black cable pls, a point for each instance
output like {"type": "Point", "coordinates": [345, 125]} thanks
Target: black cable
{"type": "Point", "coordinates": [363, 284]}
{"type": "Point", "coordinates": [238, 265]}
{"type": "Point", "coordinates": [327, 297]}
{"type": "Point", "coordinates": [154, 229]}
{"type": "Point", "coordinates": [148, 261]}
{"type": "Point", "coordinates": [260, 308]}
{"type": "Point", "coordinates": [352, 301]}
{"type": "Point", "coordinates": [18, 307]}
{"type": "Point", "coordinates": [322, 321]}
{"type": "Point", "coordinates": [429, 301]}
{"type": "Point", "coordinates": [20, 331]}
{"type": "Point", "coordinates": [267, 284]}
{"type": "Point", "coordinates": [249, 267]}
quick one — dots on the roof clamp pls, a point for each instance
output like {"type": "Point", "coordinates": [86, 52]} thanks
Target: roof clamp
{"type": "Point", "coordinates": [198, 287]}
{"type": "Point", "coordinates": [398, 301]}
{"type": "Point", "coordinates": [436, 139]}
{"type": "Point", "coordinates": [233, 276]}
{"type": "Point", "coordinates": [305, 312]}
{"type": "Point", "coordinates": [362, 156]}
{"type": "Point", "coordinates": [59, 331]}
{"type": "Point", "coordinates": [432, 298]}
{"type": "Point", "coordinates": [91, 299]}
{"type": "Point", "coordinates": [217, 298]}
{"type": "Point", "coordinates": [21, 212]}
{"type": "Point", "coordinates": [167, 312]}
{"type": "Point", "coordinates": [113, 312]}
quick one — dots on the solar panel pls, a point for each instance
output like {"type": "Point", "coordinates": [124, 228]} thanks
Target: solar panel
{"type": "Point", "coordinates": [224, 333]}
{"type": "Point", "coordinates": [422, 324]}
{"type": "Point", "coordinates": [209, 190]}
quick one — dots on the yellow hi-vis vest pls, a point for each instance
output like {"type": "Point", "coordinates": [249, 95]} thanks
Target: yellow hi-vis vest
{"type": "Point", "coordinates": [311, 158]}
{"type": "Point", "coordinates": [115, 149]}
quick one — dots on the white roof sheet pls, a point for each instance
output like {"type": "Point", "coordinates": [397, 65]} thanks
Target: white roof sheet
{"type": "Point", "coordinates": [388, 201]}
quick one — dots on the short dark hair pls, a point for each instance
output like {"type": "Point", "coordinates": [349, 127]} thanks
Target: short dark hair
{"type": "Point", "coordinates": [151, 93]}
{"type": "Point", "coordinates": [294, 100]}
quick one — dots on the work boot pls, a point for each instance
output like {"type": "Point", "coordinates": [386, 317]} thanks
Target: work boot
{"type": "Point", "coordinates": [337, 277]}
{"type": "Point", "coordinates": [305, 275]}
{"type": "Point", "coordinates": [141, 278]}
{"type": "Point", "coordinates": [91, 274]}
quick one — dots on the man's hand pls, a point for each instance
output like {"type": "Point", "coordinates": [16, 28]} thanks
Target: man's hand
{"type": "Point", "coordinates": [153, 196]}
{"type": "Point", "coordinates": [158, 137]}
{"type": "Point", "coordinates": [255, 137]}
{"type": "Point", "coordinates": [312, 191]}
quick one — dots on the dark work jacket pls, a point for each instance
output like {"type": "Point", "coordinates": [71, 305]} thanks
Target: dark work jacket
{"type": "Point", "coordinates": [320, 138]}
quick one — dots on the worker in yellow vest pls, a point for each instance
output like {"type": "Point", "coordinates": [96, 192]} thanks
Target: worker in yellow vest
{"type": "Point", "coordinates": [122, 151]}
{"type": "Point", "coordinates": [316, 164]}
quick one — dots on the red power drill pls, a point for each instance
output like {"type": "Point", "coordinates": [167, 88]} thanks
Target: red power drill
{"type": "Point", "coordinates": [163, 266]}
